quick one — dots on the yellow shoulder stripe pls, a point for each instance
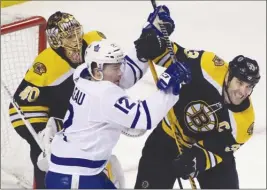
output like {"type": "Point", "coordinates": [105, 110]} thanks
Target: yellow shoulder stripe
{"type": "Point", "coordinates": [244, 121]}
{"type": "Point", "coordinates": [214, 67]}
{"type": "Point", "coordinates": [47, 68]}
{"type": "Point", "coordinates": [93, 36]}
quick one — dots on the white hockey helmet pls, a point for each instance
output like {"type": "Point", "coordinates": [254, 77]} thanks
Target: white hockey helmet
{"type": "Point", "coordinates": [103, 52]}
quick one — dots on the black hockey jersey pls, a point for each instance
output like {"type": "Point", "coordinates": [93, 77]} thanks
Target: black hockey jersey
{"type": "Point", "coordinates": [200, 115]}
{"type": "Point", "coordinates": [47, 86]}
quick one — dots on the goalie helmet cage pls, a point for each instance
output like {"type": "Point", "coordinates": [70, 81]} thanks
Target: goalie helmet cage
{"type": "Point", "coordinates": [22, 39]}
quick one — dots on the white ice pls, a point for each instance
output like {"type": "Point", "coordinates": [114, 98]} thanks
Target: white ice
{"type": "Point", "coordinates": [226, 28]}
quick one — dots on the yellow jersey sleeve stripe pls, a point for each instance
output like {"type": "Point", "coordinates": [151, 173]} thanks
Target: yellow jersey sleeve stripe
{"type": "Point", "coordinates": [59, 125]}
{"type": "Point", "coordinates": [164, 59]}
{"type": "Point", "coordinates": [215, 159]}
{"type": "Point", "coordinates": [185, 140]}
{"type": "Point", "coordinates": [245, 119]}
{"type": "Point", "coordinates": [29, 109]}
{"type": "Point", "coordinates": [32, 120]}
{"type": "Point", "coordinates": [207, 158]}
{"type": "Point", "coordinates": [216, 73]}
{"type": "Point", "coordinates": [218, 159]}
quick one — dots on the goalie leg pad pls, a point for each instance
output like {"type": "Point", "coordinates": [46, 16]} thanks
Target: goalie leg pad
{"type": "Point", "coordinates": [114, 172]}
{"type": "Point", "coordinates": [46, 136]}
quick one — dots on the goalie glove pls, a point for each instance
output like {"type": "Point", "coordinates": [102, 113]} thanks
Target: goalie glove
{"type": "Point", "coordinates": [46, 136]}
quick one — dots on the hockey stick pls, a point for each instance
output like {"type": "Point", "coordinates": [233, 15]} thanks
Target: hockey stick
{"type": "Point", "coordinates": [155, 77]}
{"type": "Point", "coordinates": [154, 73]}
{"type": "Point", "coordinates": [22, 116]}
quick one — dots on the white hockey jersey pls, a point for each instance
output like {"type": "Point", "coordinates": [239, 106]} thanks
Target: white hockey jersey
{"type": "Point", "coordinates": [98, 112]}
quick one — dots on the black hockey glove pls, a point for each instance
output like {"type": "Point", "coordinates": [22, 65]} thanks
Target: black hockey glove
{"type": "Point", "coordinates": [188, 163]}
{"type": "Point", "coordinates": [149, 45]}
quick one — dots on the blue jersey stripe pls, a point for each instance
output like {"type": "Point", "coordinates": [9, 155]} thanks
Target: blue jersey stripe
{"type": "Point", "coordinates": [77, 162]}
{"type": "Point", "coordinates": [134, 72]}
{"type": "Point", "coordinates": [147, 115]}
{"type": "Point", "coordinates": [137, 116]}
{"type": "Point", "coordinates": [133, 63]}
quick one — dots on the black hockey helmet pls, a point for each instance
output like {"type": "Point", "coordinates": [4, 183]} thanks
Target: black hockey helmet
{"type": "Point", "coordinates": [245, 69]}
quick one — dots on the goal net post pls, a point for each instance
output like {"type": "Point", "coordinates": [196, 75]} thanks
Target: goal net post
{"type": "Point", "coordinates": [22, 39]}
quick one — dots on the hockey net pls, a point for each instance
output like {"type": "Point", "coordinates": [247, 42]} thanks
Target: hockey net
{"type": "Point", "coordinates": [22, 38]}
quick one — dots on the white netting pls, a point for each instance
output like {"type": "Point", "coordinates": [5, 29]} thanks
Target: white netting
{"type": "Point", "coordinates": [18, 50]}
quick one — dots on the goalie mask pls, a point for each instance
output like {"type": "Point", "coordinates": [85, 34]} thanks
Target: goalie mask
{"type": "Point", "coordinates": [103, 52]}
{"type": "Point", "coordinates": [63, 30]}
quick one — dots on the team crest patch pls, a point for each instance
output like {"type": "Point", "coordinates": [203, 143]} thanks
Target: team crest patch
{"type": "Point", "coordinates": [39, 68]}
{"type": "Point", "coordinates": [201, 117]}
{"type": "Point", "coordinates": [101, 35]}
{"type": "Point", "coordinates": [250, 129]}
{"type": "Point", "coordinates": [217, 61]}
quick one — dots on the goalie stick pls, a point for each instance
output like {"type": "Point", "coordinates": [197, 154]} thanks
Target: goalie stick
{"type": "Point", "coordinates": [22, 116]}
{"type": "Point", "coordinates": [154, 74]}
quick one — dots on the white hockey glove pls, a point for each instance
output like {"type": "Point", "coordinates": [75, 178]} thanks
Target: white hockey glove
{"type": "Point", "coordinates": [46, 136]}
{"type": "Point", "coordinates": [115, 173]}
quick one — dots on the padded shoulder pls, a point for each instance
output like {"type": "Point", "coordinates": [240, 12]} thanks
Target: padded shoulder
{"type": "Point", "coordinates": [47, 69]}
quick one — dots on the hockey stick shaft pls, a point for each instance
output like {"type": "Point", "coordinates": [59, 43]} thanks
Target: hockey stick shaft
{"type": "Point", "coordinates": [155, 77]}
{"type": "Point", "coordinates": [154, 73]}
{"type": "Point", "coordinates": [22, 116]}
{"type": "Point", "coordinates": [167, 40]}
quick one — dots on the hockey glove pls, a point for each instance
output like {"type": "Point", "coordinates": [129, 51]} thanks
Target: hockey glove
{"type": "Point", "coordinates": [185, 168]}
{"type": "Point", "coordinates": [160, 14]}
{"type": "Point", "coordinates": [173, 77]}
{"type": "Point", "coordinates": [149, 45]}
{"type": "Point", "coordinates": [189, 163]}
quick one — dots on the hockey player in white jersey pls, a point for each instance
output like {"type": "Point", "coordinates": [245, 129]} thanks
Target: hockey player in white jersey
{"type": "Point", "coordinates": [99, 110]}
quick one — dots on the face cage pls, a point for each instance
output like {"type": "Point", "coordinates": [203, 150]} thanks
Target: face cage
{"type": "Point", "coordinates": [55, 40]}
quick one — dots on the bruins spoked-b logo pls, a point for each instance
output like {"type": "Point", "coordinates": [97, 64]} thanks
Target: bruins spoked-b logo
{"type": "Point", "coordinates": [200, 117]}
{"type": "Point", "coordinates": [39, 68]}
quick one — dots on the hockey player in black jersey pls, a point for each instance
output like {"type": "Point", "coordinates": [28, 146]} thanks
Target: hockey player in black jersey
{"type": "Point", "coordinates": [213, 117]}
{"type": "Point", "coordinates": [47, 86]}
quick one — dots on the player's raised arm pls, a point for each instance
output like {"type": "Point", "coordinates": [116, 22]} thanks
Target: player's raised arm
{"type": "Point", "coordinates": [121, 109]}
{"type": "Point", "coordinates": [148, 46]}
